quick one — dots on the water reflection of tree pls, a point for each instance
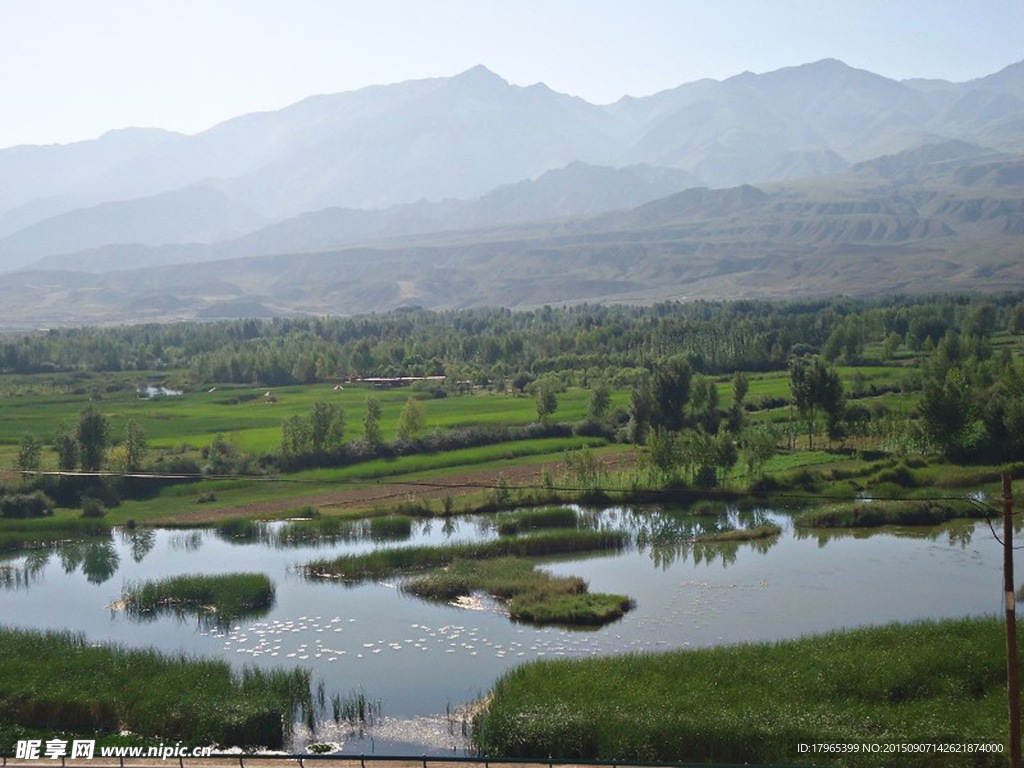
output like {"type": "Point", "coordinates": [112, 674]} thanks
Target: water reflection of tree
{"type": "Point", "coordinates": [676, 536]}
{"type": "Point", "coordinates": [957, 533]}
{"type": "Point", "coordinates": [140, 542]}
{"type": "Point", "coordinates": [22, 575]}
{"type": "Point", "coordinates": [187, 542]}
{"type": "Point", "coordinates": [98, 560]}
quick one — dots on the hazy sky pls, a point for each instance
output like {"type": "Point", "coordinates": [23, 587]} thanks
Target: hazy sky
{"type": "Point", "coordinates": [75, 68]}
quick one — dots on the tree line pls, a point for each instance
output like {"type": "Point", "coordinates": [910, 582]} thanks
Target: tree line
{"type": "Point", "coordinates": [513, 348]}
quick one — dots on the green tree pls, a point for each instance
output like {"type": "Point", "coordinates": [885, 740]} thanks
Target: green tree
{"type": "Point", "coordinates": [371, 422]}
{"type": "Point", "coordinates": [671, 392]}
{"type": "Point", "coordinates": [758, 448]}
{"type": "Point", "coordinates": [740, 388]}
{"type": "Point", "coordinates": [600, 401]}
{"type": "Point", "coordinates": [704, 404]}
{"type": "Point", "coordinates": [737, 414]}
{"type": "Point", "coordinates": [832, 401]}
{"type": "Point", "coordinates": [726, 454]}
{"type": "Point", "coordinates": [1017, 318]}
{"type": "Point", "coordinates": [664, 455]}
{"type": "Point", "coordinates": [135, 445]}
{"type": "Point", "coordinates": [891, 345]}
{"type": "Point", "coordinates": [813, 387]}
{"type": "Point", "coordinates": [641, 408]}
{"type": "Point", "coordinates": [947, 410]}
{"type": "Point", "coordinates": [980, 320]}
{"type": "Point", "coordinates": [412, 420]}
{"type": "Point", "coordinates": [65, 443]}
{"type": "Point", "coordinates": [93, 433]}
{"type": "Point", "coordinates": [30, 453]}
{"type": "Point", "coordinates": [546, 403]}
{"type": "Point", "coordinates": [802, 389]}
{"type": "Point", "coordinates": [361, 359]}
{"type": "Point", "coordinates": [326, 426]}
{"type": "Point", "coordinates": [295, 436]}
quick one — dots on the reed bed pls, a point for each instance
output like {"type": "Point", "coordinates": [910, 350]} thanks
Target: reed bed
{"type": "Point", "coordinates": [386, 562]}
{"type": "Point", "coordinates": [390, 528]}
{"type": "Point", "coordinates": [238, 528]}
{"type": "Point", "coordinates": [60, 682]}
{"type": "Point", "coordinates": [532, 595]}
{"type": "Point", "coordinates": [874, 514]}
{"type": "Point", "coordinates": [226, 596]}
{"type": "Point", "coordinates": [536, 519]}
{"type": "Point", "coordinates": [928, 682]}
{"type": "Point", "coordinates": [315, 530]}
{"type": "Point", "coordinates": [22, 534]}
{"type": "Point", "coordinates": [742, 534]}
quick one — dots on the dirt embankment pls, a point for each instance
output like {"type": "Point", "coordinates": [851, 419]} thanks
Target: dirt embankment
{"type": "Point", "coordinates": [386, 492]}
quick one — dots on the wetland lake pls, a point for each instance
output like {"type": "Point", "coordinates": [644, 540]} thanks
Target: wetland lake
{"type": "Point", "coordinates": [424, 661]}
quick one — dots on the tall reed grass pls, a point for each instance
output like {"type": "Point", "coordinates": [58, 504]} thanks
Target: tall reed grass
{"type": "Point", "coordinates": [929, 683]}
{"type": "Point", "coordinates": [225, 596]}
{"type": "Point", "coordinates": [60, 682]}
{"type": "Point", "coordinates": [873, 514]}
{"type": "Point", "coordinates": [386, 562]}
{"type": "Point", "coordinates": [530, 520]}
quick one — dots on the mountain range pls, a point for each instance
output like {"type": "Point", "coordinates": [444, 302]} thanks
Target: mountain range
{"type": "Point", "coordinates": [468, 190]}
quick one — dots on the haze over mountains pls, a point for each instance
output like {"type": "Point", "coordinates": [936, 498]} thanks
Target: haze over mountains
{"type": "Point", "coordinates": [468, 190]}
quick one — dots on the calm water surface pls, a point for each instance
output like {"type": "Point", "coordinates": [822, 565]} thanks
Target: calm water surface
{"type": "Point", "coordinates": [421, 659]}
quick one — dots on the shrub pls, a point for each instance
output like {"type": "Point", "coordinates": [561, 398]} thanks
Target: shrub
{"type": "Point", "coordinates": [591, 427]}
{"type": "Point", "coordinates": [899, 475]}
{"type": "Point", "coordinates": [92, 507]}
{"type": "Point", "coordinates": [24, 505]}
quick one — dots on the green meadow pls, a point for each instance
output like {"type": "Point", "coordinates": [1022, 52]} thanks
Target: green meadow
{"type": "Point", "coordinates": [247, 417]}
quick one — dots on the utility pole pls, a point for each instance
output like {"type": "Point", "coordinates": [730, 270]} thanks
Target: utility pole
{"type": "Point", "coordinates": [1012, 670]}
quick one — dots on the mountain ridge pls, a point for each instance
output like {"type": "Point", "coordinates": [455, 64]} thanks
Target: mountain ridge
{"type": "Point", "coordinates": [465, 135]}
{"type": "Point", "coordinates": [914, 228]}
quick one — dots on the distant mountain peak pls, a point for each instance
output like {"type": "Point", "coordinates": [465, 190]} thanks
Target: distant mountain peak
{"type": "Point", "coordinates": [479, 75]}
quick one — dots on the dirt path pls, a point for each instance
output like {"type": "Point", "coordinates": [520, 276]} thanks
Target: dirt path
{"type": "Point", "coordinates": [386, 492]}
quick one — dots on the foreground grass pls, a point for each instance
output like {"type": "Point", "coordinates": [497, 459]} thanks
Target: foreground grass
{"type": "Point", "coordinates": [59, 682]}
{"type": "Point", "coordinates": [930, 682]}
{"type": "Point", "coordinates": [228, 595]}
{"type": "Point", "coordinates": [532, 595]}
{"type": "Point", "coordinates": [878, 513]}
{"type": "Point", "coordinates": [386, 562]}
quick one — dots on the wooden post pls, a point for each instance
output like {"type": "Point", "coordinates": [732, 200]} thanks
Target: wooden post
{"type": "Point", "coordinates": [1012, 670]}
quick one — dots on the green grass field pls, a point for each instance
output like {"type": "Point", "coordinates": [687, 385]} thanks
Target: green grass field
{"type": "Point", "coordinates": [251, 420]}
